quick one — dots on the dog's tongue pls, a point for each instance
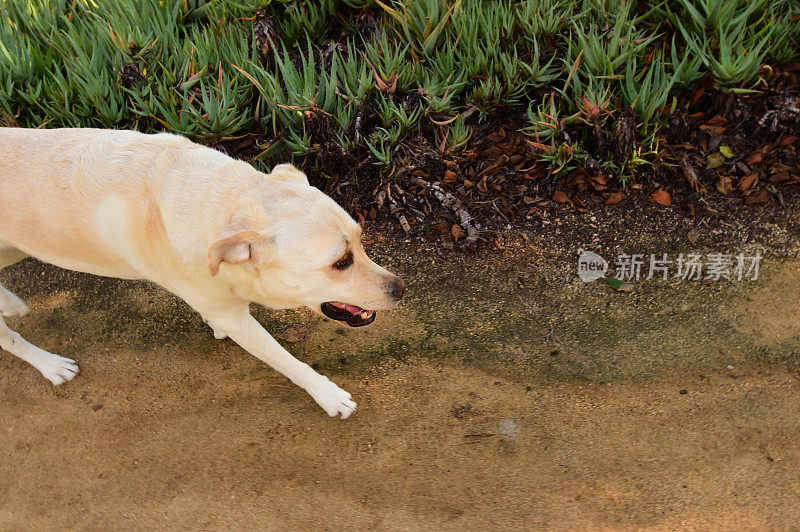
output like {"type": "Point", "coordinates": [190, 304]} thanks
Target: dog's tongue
{"type": "Point", "coordinates": [349, 308]}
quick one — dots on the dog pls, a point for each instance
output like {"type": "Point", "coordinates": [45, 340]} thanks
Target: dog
{"type": "Point", "coordinates": [209, 228]}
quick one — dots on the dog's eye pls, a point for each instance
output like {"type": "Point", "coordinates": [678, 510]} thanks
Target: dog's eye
{"type": "Point", "coordinates": [344, 262]}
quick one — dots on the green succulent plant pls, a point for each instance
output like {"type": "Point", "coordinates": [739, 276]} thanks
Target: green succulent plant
{"type": "Point", "coordinates": [424, 67]}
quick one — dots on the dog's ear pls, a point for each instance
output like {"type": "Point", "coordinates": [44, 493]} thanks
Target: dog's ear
{"type": "Point", "coordinates": [245, 246]}
{"type": "Point", "coordinates": [288, 172]}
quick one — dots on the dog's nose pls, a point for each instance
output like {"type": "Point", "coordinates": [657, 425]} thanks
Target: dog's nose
{"type": "Point", "coordinates": [399, 288]}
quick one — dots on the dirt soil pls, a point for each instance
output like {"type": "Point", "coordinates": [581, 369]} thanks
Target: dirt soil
{"type": "Point", "coordinates": [505, 393]}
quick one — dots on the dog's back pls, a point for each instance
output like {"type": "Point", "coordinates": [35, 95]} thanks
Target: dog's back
{"type": "Point", "coordinates": [73, 196]}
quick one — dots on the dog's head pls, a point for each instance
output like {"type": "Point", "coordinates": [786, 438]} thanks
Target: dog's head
{"type": "Point", "coordinates": [288, 245]}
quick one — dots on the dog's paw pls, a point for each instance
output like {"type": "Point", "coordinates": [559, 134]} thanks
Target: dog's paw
{"type": "Point", "coordinates": [333, 399]}
{"type": "Point", "coordinates": [13, 307]}
{"type": "Point", "coordinates": [56, 369]}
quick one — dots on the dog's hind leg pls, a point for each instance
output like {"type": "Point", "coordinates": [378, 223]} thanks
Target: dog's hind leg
{"type": "Point", "coordinates": [10, 304]}
{"type": "Point", "coordinates": [56, 369]}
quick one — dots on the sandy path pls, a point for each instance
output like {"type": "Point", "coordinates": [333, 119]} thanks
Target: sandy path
{"type": "Point", "coordinates": [166, 427]}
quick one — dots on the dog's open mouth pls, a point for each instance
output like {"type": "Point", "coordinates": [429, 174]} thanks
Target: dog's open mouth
{"type": "Point", "coordinates": [350, 314]}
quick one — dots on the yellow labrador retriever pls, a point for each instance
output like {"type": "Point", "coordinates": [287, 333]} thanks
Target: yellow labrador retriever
{"type": "Point", "coordinates": [206, 227]}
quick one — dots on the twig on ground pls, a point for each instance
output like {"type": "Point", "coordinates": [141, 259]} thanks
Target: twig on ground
{"type": "Point", "coordinates": [450, 202]}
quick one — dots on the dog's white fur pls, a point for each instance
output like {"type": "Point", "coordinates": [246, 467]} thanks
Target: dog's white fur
{"type": "Point", "coordinates": [206, 227]}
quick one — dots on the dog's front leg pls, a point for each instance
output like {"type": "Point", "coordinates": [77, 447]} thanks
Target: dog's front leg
{"type": "Point", "coordinates": [243, 329]}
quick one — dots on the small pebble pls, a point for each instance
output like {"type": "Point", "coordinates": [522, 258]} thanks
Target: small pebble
{"type": "Point", "coordinates": [507, 428]}
{"type": "Point", "coordinates": [730, 367]}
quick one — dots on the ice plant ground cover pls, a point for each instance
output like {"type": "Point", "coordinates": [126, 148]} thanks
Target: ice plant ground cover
{"type": "Point", "coordinates": [453, 113]}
